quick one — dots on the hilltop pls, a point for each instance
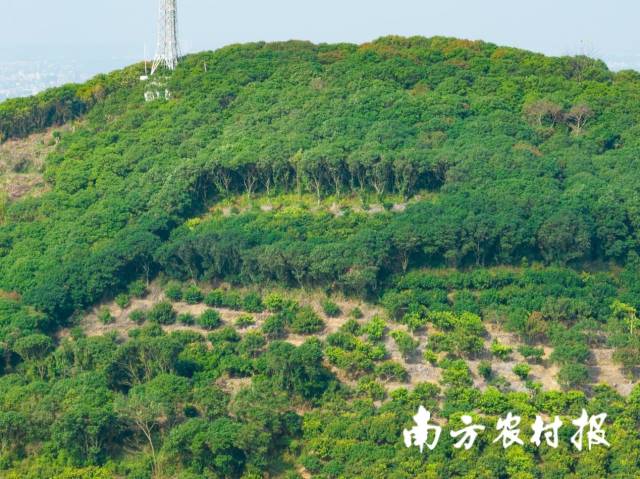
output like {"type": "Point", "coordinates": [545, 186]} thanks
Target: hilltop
{"type": "Point", "coordinates": [269, 269]}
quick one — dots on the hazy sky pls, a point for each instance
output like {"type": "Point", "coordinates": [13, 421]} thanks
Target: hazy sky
{"type": "Point", "coordinates": [119, 29]}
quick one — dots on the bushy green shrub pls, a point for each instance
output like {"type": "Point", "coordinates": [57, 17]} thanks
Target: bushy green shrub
{"type": "Point", "coordinates": [187, 319]}
{"type": "Point", "coordinates": [138, 289]}
{"type": "Point", "coordinates": [123, 300]}
{"type": "Point", "coordinates": [391, 371]}
{"type": "Point", "coordinates": [306, 321]}
{"type": "Point", "coordinates": [331, 309]}
{"type": "Point", "coordinates": [214, 298]}
{"type": "Point", "coordinates": [430, 356]}
{"type": "Point", "coordinates": [356, 313]}
{"type": "Point", "coordinates": [105, 317]}
{"type": "Point", "coordinates": [244, 321]}
{"type": "Point", "coordinates": [162, 313]}
{"type": "Point", "coordinates": [210, 319]}
{"type": "Point", "coordinates": [522, 370]}
{"type": "Point", "coordinates": [414, 321]}
{"type": "Point", "coordinates": [485, 370]}
{"type": "Point", "coordinates": [351, 326]}
{"type": "Point", "coordinates": [375, 328]}
{"type": "Point", "coordinates": [572, 375]}
{"type": "Point", "coordinates": [276, 303]}
{"type": "Point", "coordinates": [369, 387]}
{"type": "Point", "coordinates": [252, 303]}
{"type": "Point", "coordinates": [232, 300]}
{"type": "Point", "coordinates": [406, 343]}
{"type": "Point", "coordinates": [531, 353]}
{"type": "Point", "coordinates": [274, 327]}
{"type": "Point", "coordinates": [192, 295]}
{"type": "Point", "coordinates": [138, 316]}
{"type": "Point", "coordinates": [501, 351]}
{"type": "Point", "coordinates": [173, 291]}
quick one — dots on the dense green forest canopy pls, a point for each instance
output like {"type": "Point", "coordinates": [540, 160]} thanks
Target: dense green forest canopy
{"type": "Point", "coordinates": [516, 172]}
{"type": "Point", "coordinates": [530, 156]}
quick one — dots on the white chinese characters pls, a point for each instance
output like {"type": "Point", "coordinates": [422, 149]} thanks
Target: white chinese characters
{"type": "Point", "coordinates": [419, 435]}
{"type": "Point", "coordinates": [427, 433]}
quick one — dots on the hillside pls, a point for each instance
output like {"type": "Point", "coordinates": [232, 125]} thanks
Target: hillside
{"type": "Point", "coordinates": [265, 274]}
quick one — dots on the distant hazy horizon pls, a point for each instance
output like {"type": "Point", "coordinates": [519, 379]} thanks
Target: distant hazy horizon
{"type": "Point", "coordinates": [101, 36]}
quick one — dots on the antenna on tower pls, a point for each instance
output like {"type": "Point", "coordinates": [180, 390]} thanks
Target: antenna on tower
{"type": "Point", "coordinates": [167, 50]}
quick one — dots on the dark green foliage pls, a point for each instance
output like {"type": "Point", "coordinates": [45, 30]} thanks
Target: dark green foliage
{"type": "Point", "coordinates": [485, 370]}
{"type": "Point", "coordinates": [531, 353]}
{"type": "Point", "coordinates": [406, 343]}
{"type": "Point", "coordinates": [162, 313]}
{"type": "Point", "coordinates": [138, 316]}
{"type": "Point", "coordinates": [173, 291]}
{"type": "Point", "coordinates": [138, 289]}
{"type": "Point", "coordinates": [210, 319]}
{"type": "Point", "coordinates": [306, 321]}
{"type": "Point", "coordinates": [105, 316]}
{"type": "Point", "coordinates": [123, 300]}
{"type": "Point", "coordinates": [274, 326]}
{"type": "Point", "coordinates": [331, 309]}
{"type": "Point", "coordinates": [522, 370]}
{"type": "Point", "coordinates": [252, 303]}
{"type": "Point", "coordinates": [187, 319]}
{"type": "Point", "coordinates": [192, 295]}
{"type": "Point", "coordinates": [244, 321]}
{"type": "Point", "coordinates": [391, 371]}
{"type": "Point", "coordinates": [356, 313]}
{"type": "Point", "coordinates": [501, 351]}
{"type": "Point", "coordinates": [493, 139]}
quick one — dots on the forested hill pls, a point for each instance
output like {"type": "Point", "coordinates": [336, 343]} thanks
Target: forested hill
{"type": "Point", "coordinates": [517, 155]}
{"type": "Point", "coordinates": [264, 271]}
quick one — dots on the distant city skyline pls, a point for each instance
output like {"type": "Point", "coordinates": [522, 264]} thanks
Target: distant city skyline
{"type": "Point", "coordinates": [101, 36]}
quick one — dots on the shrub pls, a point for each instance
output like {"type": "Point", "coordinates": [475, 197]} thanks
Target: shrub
{"type": "Point", "coordinates": [351, 326]}
{"type": "Point", "coordinates": [391, 371]}
{"type": "Point", "coordinates": [123, 300]}
{"type": "Point", "coordinates": [414, 321]}
{"type": "Point", "coordinates": [522, 370]}
{"type": "Point", "coordinates": [187, 319]}
{"type": "Point", "coordinates": [456, 374]}
{"type": "Point", "coordinates": [138, 316]}
{"type": "Point", "coordinates": [573, 375]}
{"type": "Point", "coordinates": [274, 327]}
{"type": "Point", "coordinates": [500, 351]}
{"type": "Point", "coordinates": [252, 344]}
{"type": "Point", "coordinates": [430, 356]}
{"type": "Point", "coordinates": [356, 313]}
{"type": "Point", "coordinates": [531, 353]}
{"type": "Point", "coordinates": [252, 303]}
{"type": "Point", "coordinates": [485, 370]}
{"type": "Point", "coordinates": [244, 320]}
{"type": "Point", "coordinates": [214, 298]}
{"type": "Point", "coordinates": [232, 300]}
{"type": "Point", "coordinates": [162, 313]}
{"type": "Point", "coordinates": [306, 321]}
{"type": "Point", "coordinates": [406, 343]}
{"type": "Point", "coordinates": [192, 295]}
{"type": "Point", "coordinates": [173, 291]}
{"type": "Point", "coordinates": [138, 289]}
{"type": "Point", "coordinates": [375, 328]}
{"type": "Point", "coordinates": [226, 334]}
{"type": "Point", "coordinates": [104, 315]}
{"type": "Point", "coordinates": [371, 388]}
{"type": "Point", "coordinates": [274, 302]}
{"type": "Point", "coordinates": [210, 319]}
{"type": "Point", "coordinates": [331, 309]}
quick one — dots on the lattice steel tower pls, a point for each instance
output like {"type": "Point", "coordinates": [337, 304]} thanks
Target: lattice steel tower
{"type": "Point", "coordinates": [168, 50]}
